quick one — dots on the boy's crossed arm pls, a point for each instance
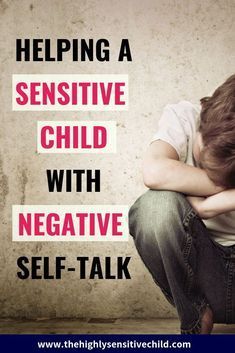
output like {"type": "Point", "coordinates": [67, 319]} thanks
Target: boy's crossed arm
{"type": "Point", "coordinates": [162, 170]}
{"type": "Point", "coordinates": [213, 205]}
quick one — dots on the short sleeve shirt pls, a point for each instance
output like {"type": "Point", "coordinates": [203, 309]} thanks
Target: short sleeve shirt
{"type": "Point", "coordinates": [178, 126]}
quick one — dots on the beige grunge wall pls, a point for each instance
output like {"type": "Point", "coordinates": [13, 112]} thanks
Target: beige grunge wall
{"type": "Point", "coordinates": [181, 49]}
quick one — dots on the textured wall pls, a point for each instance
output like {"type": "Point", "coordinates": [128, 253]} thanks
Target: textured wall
{"type": "Point", "coordinates": [181, 50]}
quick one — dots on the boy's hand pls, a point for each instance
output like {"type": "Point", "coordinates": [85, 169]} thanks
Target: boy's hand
{"type": "Point", "coordinates": [197, 204]}
{"type": "Point", "coordinates": [208, 207]}
{"type": "Point", "coordinates": [200, 205]}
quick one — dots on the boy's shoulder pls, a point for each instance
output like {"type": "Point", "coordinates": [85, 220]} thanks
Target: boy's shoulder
{"type": "Point", "coordinates": [184, 111]}
{"type": "Point", "coordinates": [184, 106]}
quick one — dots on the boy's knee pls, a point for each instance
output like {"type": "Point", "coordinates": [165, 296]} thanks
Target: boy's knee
{"type": "Point", "coordinates": [152, 212]}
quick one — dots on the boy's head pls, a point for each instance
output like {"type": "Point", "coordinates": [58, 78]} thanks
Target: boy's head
{"type": "Point", "coordinates": [217, 129]}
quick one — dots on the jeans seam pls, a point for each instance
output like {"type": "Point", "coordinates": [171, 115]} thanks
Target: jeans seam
{"type": "Point", "coordinates": [189, 215]}
{"type": "Point", "coordinates": [186, 252]}
{"type": "Point", "coordinates": [187, 222]}
{"type": "Point", "coordinates": [229, 294]}
{"type": "Point", "coordinates": [196, 327]}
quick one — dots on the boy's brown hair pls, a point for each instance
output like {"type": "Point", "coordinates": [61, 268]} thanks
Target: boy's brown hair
{"type": "Point", "coordinates": [217, 128]}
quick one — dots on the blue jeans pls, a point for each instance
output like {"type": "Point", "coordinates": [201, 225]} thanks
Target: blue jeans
{"type": "Point", "coordinates": [192, 270]}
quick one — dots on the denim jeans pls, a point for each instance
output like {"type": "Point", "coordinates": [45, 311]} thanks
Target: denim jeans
{"type": "Point", "coordinates": [192, 270]}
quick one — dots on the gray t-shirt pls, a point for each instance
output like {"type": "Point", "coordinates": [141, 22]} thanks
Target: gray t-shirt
{"type": "Point", "coordinates": [178, 126]}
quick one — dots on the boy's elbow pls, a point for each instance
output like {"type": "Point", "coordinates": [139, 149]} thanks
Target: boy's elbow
{"type": "Point", "coordinates": [148, 181]}
{"type": "Point", "coordinates": [151, 178]}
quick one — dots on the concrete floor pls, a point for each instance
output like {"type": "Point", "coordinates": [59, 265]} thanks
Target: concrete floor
{"type": "Point", "coordinates": [85, 326]}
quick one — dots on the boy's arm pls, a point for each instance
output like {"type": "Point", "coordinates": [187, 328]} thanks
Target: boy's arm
{"type": "Point", "coordinates": [162, 170]}
{"type": "Point", "coordinates": [213, 205]}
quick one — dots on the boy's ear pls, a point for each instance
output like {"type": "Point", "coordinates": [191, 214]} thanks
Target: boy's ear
{"type": "Point", "coordinates": [200, 142]}
{"type": "Point", "coordinates": [197, 147]}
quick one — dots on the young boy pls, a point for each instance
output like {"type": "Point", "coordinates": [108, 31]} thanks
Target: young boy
{"type": "Point", "coordinates": [190, 170]}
